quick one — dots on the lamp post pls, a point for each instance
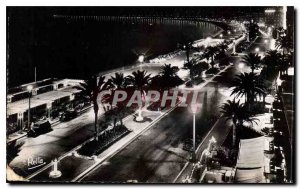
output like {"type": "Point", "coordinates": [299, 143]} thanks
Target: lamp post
{"type": "Point", "coordinates": [266, 41]}
{"type": "Point", "coordinates": [194, 108]}
{"type": "Point", "coordinates": [278, 86]}
{"type": "Point", "coordinates": [141, 60]}
{"type": "Point", "coordinates": [248, 37]}
{"type": "Point", "coordinates": [29, 89]}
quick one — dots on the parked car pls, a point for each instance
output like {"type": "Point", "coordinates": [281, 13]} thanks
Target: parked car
{"type": "Point", "coordinates": [39, 127]}
{"type": "Point", "coordinates": [68, 115]}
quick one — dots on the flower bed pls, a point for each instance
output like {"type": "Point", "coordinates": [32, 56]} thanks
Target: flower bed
{"type": "Point", "coordinates": [106, 139]}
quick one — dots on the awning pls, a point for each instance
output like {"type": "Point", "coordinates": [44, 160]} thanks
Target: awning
{"type": "Point", "coordinates": [251, 153]}
{"type": "Point", "coordinates": [250, 162]}
{"type": "Point", "coordinates": [249, 175]}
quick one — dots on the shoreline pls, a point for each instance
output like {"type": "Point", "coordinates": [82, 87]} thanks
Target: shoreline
{"type": "Point", "coordinates": [179, 51]}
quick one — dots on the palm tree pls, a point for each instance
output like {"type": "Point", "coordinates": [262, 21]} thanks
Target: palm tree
{"type": "Point", "coordinates": [195, 68]}
{"type": "Point", "coordinates": [119, 82]}
{"type": "Point", "coordinates": [168, 71]}
{"type": "Point", "coordinates": [140, 80]}
{"type": "Point", "coordinates": [212, 52]}
{"type": "Point", "coordinates": [168, 77]}
{"type": "Point", "coordinates": [90, 90]}
{"type": "Point", "coordinates": [284, 42]}
{"type": "Point", "coordinates": [222, 47]}
{"type": "Point", "coordinates": [238, 114]}
{"type": "Point", "coordinates": [246, 84]}
{"type": "Point", "coordinates": [252, 60]}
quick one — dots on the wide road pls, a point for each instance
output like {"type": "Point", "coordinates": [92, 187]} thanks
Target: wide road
{"type": "Point", "coordinates": [158, 155]}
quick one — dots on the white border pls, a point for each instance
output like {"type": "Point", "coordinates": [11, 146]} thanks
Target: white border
{"type": "Point", "coordinates": [5, 3]}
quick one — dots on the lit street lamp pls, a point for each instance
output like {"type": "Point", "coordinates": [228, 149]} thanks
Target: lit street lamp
{"type": "Point", "coordinates": [278, 82]}
{"type": "Point", "coordinates": [256, 49]}
{"type": "Point", "coordinates": [194, 109]}
{"type": "Point", "coordinates": [141, 60]}
{"type": "Point", "coordinates": [266, 41]}
{"type": "Point", "coordinates": [241, 65]}
{"type": "Point", "coordinates": [221, 35]}
{"type": "Point", "coordinates": [29, 89]}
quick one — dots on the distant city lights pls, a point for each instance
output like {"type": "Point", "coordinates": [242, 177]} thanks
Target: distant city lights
{"type": "Point", "coordinates": [270, 11]}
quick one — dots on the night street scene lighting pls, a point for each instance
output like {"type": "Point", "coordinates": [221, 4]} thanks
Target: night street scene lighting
{"type": "Point", "coordinates": [114, 95]}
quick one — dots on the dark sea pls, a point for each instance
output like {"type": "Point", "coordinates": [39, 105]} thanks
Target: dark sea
{"type": "Point", "coordinates": [77, 47]}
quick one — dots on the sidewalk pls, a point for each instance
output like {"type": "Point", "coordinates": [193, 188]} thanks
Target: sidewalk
{"type": "Point", "coordinates": [17, 135]}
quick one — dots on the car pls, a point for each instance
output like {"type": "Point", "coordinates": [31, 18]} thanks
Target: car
{"type": "Point", "coordinates": [68, 115]}
{"type": "Point", "coordinates": [40, 127]}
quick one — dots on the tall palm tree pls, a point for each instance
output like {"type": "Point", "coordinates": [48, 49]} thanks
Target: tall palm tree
{"type": "Point", "coordinates": [140, 80]}
{"type": "Point", "coordinates": [168, 71]}
{"type": "Point", "coordinates": [212, 52]}
{"type": "Point", "coordinates": [238, 114]}
{"type": "Point", "coordinates": [119, 82]}
{"type": "Point", "coordinates": [168, 77]}
{"type": "Point", "coordinates": [246, 84]}
{"type": "Point", "coordinates": [253, 60]}
{"type": "Point", "coordinates": [90, 90]}
{"type": "Point", "coordinates": [195, 68]}
{"type": "Point", "coordinates": [222, 47]}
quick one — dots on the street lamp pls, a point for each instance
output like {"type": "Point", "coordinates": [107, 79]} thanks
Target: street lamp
{"type": "Point", "coordinates": [229, 32]}
{"type": "Point", "coordinates": [241, 65]}
{"type": "Point", "coordinates": [29, 89]}
{"type": "Point", "coordinates": [221, 35]}
{"type": "Point", "coordinates": [279, 82]}
{"type": "Point", "coordinates": [256, 49]}
{"type": "Point", "coordinates": [194, 109]}
{"type": "Point", "coordinates": [266, 41]}
{"type": "Point", "coordinates": [141, 60]}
